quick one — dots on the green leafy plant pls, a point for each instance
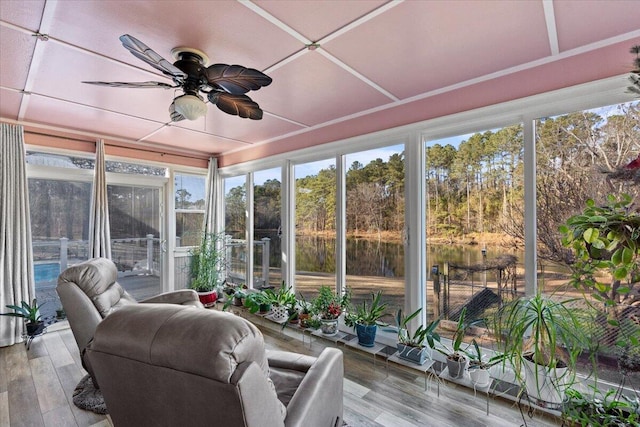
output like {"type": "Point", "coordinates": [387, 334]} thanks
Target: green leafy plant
{"type": "Point", "coordinates": [256, 301]}
{"type": "Point", "coordinates": [235, 295]}
{"type": "Point", "coordinates": [456, 352]}
{"type": "Point", "coordinates": [477, 359]}
{"type": "Point", "coordinates": [549, 334]}
{"type": "Point", "coordinates": [29, 312]}
{"type": "Point", "coordinates": [328, 304]}
{"type": "Point", "coordinates": [610, 409]}
{"type": "Point", "coordinates": [606, 243]}
{"type": "Point", "coordinates": [208, 262]}
{"type": "Point", "coordinates": [367, 314]}
{"type": "Point", "coordinates": [422, 333]}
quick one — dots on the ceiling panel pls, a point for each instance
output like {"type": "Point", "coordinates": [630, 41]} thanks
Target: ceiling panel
{"type": "Point", "coordinates": [302, 16]}
{"type": "Point", "coordinates": [17, 51]}
{"type": "Point", "coordinates": [23, 13]}
{"type": "Point", "coordinates": [72, 116]}
{"type": "Point", "coordinates": [192, 140]}
{"type": "Point", "coordinates": [63, 70]}
{"type": "Point", "coordinates": [313, 90]}
{"type": "Point", "coordinates": [9, 103]}
{"type": "Point", "coordinates": [446, 42]}
{"type": "Point", "coordinates": [579, 25]}
{"type": "Point", "coordinates": [227, 31]}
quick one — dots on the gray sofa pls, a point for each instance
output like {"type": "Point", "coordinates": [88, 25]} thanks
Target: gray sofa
{"type": "Point", "coordinates": [89, 292]}
{"type": "Point", "coordinates": [166, 365]}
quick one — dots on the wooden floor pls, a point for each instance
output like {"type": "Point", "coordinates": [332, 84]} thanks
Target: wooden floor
{"type": "Point", "coordinates": [36, 388]}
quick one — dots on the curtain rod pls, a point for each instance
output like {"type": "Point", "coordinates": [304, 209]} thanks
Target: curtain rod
{"type": "Point", "coordinates": [114, 145]}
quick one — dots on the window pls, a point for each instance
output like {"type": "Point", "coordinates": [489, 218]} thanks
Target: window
{"type": "Point", "coordinates": [235, 226]}
{"type": "Point", "coordinates": [474, 219]}
{"type": "Point", "coordinates": [267, 203]}
{"type": "Point", "coordinates": [582, 155]}
{"type": "Point", "coordinates": [189, 193]}
{"type": "Point", "coordinates": [375, 225]}
{"type": "Point", "coordinates": [315, 195]}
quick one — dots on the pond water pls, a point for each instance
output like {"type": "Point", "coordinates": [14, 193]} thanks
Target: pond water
{"type": "Point", "coordinates": [378, 257]}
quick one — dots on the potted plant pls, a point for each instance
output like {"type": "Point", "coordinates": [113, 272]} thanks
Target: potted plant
{"type": "Point", "coordinates": [207, 267]}
{"type": "Point", "coordinates": [605, 240]}
{"type": "Point", "coordinates": [542, 338]}
{"type": "Point", "coordinates": [329, 307]}
{"type": "Point", "coordinates": [410, 345]}
{"type": "Point", "coordinates": [30, 313]}
{"type": "Point", "coordinates": [235, 296]}
{"type": "Point", "coordinates": [365, 319]}
{"type": "Point", "coordinates": [600, 409]}
{"type": "Point", "coordinates": [281, 301]}
{"type": "Point", "coordinates": [455, 355]}
{"type": "Point", "coordinates": [305, 311]}
{"type": "Point", "coordinates": [257, 302]}
{"type": "Point", "coordinates": [479, 365]}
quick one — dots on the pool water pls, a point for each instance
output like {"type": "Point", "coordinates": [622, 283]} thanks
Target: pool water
{"type": "Point", "coordinates": [46, 272]}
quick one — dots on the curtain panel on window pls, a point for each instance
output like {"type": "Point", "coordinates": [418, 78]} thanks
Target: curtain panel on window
{"type": "Point", "coordinates": [211, 195]}
{"type": "Point", "coordinates": [16, 254]}
{"type": "Point", "coordinates": [99, 232]}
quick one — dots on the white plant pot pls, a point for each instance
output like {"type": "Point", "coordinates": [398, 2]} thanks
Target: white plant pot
{"type": "Point", "coordinates": [480, 377]}
{"type": "Point", "coordinates": [545, 386]}
{"type": "Point", "coordinates": [279, 314]}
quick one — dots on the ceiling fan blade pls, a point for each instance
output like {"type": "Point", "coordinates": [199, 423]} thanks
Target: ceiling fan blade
{"type": "Point", "coordinates": [148, 55]}
{"type": "Point", "coordinates": [141, 85]}
{"type": "Point", "coordinates": [236, 79]}
{"type": "Point", "coordinates": [236, 105]}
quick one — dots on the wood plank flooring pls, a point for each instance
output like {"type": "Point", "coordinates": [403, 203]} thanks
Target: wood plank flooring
{"type": "Point", "coordinates": [36, 389]}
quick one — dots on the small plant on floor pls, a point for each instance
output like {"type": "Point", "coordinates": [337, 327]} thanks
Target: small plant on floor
{"type": "Point", "coordinates": [30, 313]}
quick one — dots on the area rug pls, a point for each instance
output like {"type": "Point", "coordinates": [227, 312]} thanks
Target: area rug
{"type": "Point", "coordinates": [89, 398]}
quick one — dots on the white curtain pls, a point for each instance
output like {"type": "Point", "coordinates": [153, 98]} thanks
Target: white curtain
{"type": "Point", "coordinates": [16, 255]}
{"type": "Point", "coordinates": [210, 199]}
{"type": "Point", "coordinates": [99, 233]}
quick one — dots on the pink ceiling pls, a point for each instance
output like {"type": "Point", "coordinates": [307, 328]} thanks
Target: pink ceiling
{"type": "Point", "coordinates": [379, 64]}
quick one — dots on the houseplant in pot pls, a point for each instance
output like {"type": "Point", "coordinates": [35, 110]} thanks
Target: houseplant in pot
{"type": "Point", "coordinates": [365, 319]}
{"type": "Point", "coordinates": [30, 313]}
{"type": "Point", "coordinates": [235, 295]}
{"type": "Point", "coordinates": [281, 301]}
{"type": "Point", "coordinates": [542, 338]}
{"type": "Point", "coordinates": [479, 364]}
{"type": "Point", "coordinates": [605, 243]}
{"type": "Point", "coordinates": [207, 267]}
{"type": "Point", "coordinates": [329, 306]}
{"type": "Point", "coordinates": [410, 345]}
{"type": "Point", "coordinates": [257, 302]}
{"type": "Point", "coordinates": [456, 357]}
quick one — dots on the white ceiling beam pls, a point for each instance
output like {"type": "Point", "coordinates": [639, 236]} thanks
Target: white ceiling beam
{"type": "Point", "coordinates": [552, 30]}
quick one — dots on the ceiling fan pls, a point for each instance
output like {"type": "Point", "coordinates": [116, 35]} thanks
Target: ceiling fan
{"type": "Point", "coordinates": [224, 85]}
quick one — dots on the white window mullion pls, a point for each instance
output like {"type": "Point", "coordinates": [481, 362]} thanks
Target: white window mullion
{"type": "Point", "coordinates": [288, 259]}
{"type": "Point", "coordinates": [341, 224]}
{"type": "Point", "coordinates": [415, 232]}
{"type": "Point", "coordinates": [530, 209]}
{"type": "Point", "coordinates": [249, 229]}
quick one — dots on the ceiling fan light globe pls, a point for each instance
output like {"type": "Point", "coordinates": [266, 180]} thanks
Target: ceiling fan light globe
{"type": "Point", "coordinates": [190, 106]}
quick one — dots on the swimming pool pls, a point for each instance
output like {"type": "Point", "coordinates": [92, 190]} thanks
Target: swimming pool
{"type": "Point", "coordinates": [46, 272]}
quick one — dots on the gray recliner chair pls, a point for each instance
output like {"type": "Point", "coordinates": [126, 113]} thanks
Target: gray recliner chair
{"type": "Point", "coordinates": [89, 292]}
{"type": "Point", "coordinates": [164, 365]}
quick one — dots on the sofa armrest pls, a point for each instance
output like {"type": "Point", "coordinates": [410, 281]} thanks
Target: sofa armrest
{"type": "Point", "coordinates": [182, 296]}
{"type": "Point", "coordinates": [318, 401]}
